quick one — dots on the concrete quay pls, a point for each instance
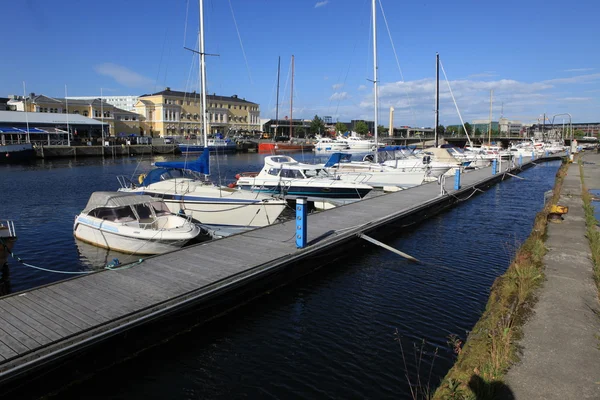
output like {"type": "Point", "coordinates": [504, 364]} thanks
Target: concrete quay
{"type": "Point", "coordinates": [560, 356]}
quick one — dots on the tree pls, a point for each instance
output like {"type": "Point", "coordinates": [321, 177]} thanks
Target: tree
{"type": "Point", "coordinates": [477, 132]}
{"type": "Point", "coordinates": [468, 127]}
{"type": "Point", "coordinates": [441, 130]}
{"type": "Point", "coordinates": [341, 127]}
{"type": "Point", "coordinates": [579, 133]}
{"type": "Point", "coordinates": [317, 125]}
{"type": "Point", "coordinates": [381, 129]}
{"type": "Point", "coordinates": [361, 128]}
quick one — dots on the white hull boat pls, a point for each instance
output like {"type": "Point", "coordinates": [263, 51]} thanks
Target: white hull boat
{"type": "Point", "coordinates": [184, 192]}
{"type": "Point", "coordinates": [132, 224]}
{"type": "Point", "coordinates": [8, 237]}
{"type": "Point", "coordinates": [282, 175]}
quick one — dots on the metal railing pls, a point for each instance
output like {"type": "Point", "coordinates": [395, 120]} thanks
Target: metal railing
{"type": "Point", "coordinates": [10, 226]}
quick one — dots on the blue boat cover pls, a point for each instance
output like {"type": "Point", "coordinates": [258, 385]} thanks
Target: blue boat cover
{"type": "Point", "coordinates": [200, 165]}
{"type": "Point", "coordinates": [337, 158]}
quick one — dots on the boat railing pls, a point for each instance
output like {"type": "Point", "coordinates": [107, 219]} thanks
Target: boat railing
{"type": "Point", "coordinates": [125, 182]}
{"type": "Point", "coordinates": [9, 226]}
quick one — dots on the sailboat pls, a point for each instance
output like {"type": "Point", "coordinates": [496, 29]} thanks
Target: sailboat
{"type": "Point", "coordinates": [403, 173]}
{"type": "Point", "coordinates": [185, 188]}
{"type": "Point", "coordinates": [274, 146]}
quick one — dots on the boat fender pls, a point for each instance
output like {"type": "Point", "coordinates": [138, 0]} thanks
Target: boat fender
{"type": "Point", "coordinates": [232, 185]}
{"type": "Point", "coordinates": [141, 178]}
{"type": "Point", "coordinates": [238, 176]}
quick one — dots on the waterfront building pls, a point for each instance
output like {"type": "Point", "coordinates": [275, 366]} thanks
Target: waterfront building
{"type": "Point", "coordinates": [126, 103]}
{"type": "Point", "coordinates": [118, 122]}
{"type": "Point", "coordinates": [175, 113]}
{"type": "Point", "coordinates": [49, 129]}
{"type": "Point", "coordinates": [510, 128]}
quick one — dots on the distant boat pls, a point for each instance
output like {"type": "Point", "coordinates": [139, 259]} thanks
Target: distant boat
{"type": "Point", "coordinates": [215, 145]}
{"type": "Point", "coordinates": [132, 224]}
{"type": "Point", "coordinates": [8, 237]}
{"type": "Point", "coordinates": [16, 153]}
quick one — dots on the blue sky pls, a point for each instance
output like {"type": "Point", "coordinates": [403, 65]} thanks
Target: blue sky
{"type": "Point", "coordinates": [538, 56]}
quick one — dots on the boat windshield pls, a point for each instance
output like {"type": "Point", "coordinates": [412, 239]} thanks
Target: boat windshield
{"type": "Point", "coordinates": [118, 214]}
{"type": "Point", "coordinates": [313, 173]}
{"type": "Point", "coordinates": [160, 208]}
{"type": "Point", "coordinates": [144, 211]}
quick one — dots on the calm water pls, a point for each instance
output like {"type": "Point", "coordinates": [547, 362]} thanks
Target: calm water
{"type": "Point", "coordinates": [328, 335]}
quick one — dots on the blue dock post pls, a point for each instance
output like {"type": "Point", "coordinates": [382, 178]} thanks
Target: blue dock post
{"type": "Point", "coordinates": [457, 179]}
{"type": "Point", "coordinates": [546, 153]}
{"type": "Point", "coordinates": [520, 160]}
{"type": "Point", "coordinates": [301, 222]}
{"type": "Point", "coordinates": [494, 166]}
{"type": "Point", "coordinates": [533, 155]}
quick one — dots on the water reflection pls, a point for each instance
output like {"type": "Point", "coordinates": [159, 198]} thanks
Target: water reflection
{"type": "Point", "coordinates": [96, 258]}
{"type": "Point", "coordinates": [4, 280]}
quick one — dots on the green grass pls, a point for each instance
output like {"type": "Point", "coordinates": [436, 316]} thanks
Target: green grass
{"type": "Point", "coordinates": [491, 346]}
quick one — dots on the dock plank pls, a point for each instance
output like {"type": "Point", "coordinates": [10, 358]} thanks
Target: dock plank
{"type": "Point", "coordinates": [22, 332]}
{"type": "Point", "coordinates": [6, 352]}
{"type": "Point", "coordinates": [58, 312]}
{"type": "Point", "coordinates": [42, 316]}
{"type": "Point", "coordinates": [46, 296]}
{"type": "Point", "coordinates": [13, 342]}
{"type": "Point", "coordinates": [13, 314]}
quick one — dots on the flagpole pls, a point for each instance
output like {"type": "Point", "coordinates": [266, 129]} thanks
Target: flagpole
{"type": "Point", "coordinates": [68, 130]}
{"type": "Point", "coordinates": [25, 109]}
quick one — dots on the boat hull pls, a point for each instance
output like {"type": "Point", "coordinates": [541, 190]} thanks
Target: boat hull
{"type": "Point", "coordinates": [226, 207]}
{"type": "Point", "coordinates": [106, 237]}
{"type": "Point", "coordinates": [16, 153]}
{"type": "Point", "coordinates": [311, 192]}
{"type": "Point", "coordinates": [283, 147]}
{"type": "Point", "coordinates": [192, 148]}
{"type": "Point", "coordinates": [385, 178]}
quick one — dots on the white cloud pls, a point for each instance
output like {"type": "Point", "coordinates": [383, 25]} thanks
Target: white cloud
{"type": "Point", "coordinates": [576, 99]}
{"type": "Point", "coordinates": [578, 70]}
{"type": "Point", "coordinates": [362, 87]}
{"type": "Point", "coordinates": [338, 96]}
{"type": "Point", "coordinates": [123, 75]}
{"type": "Point", "coordinates": [321, 3]}
{"type": "Point", "coordinates": [487, 74]}
{"type": "Point", "coordinates": [574, 79]}
{"type": "Point", "coordinates": [337, 86]}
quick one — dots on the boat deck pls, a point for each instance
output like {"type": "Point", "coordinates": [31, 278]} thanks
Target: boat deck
{"type": "Point", "coordinates": [45, 324]}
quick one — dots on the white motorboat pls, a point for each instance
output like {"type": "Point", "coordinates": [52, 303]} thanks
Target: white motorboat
{"type": "Point", "coordinates": [132, 224]}
{"type": "Point", "coordinates": [405, 159]}
{"type": "Point", "coordinates": [285, 176]}
{"type": "Point", "coordinates": [356, 143]}
{"type": "Point", "coordinates": [8, 237]}
{"type": "Point", "coordinates": [326, 145]}
{"type": "Point", "coordinates": [373, 174]}
{"type": "Point", "coordinates": [182, 187]}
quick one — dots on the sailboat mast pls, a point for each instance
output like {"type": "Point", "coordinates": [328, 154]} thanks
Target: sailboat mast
{"type": "Point", "coordinates": [437, 97]}
{"type": "Point", "coordinates": [203, 74]}
{"type": "Point", "coordinates": [490, 126]}
{"type": "Point", "coordinates": [292, 100]}
{"type": "Point", "coordinates": [374, 9]}
{"type": "Point", "coordinates": [277, 101]}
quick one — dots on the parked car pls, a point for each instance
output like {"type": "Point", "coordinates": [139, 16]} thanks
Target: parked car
{"type": "Point", "coordinates": [169, 140]}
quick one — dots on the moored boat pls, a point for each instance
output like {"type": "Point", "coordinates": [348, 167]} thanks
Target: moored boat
{"type": "Point", "coordinates": [282, 175]}
{"type": "Point", "coordinates": [8, 238]}
{"type": "Point", "coordinates": [132, 224]}
{"type": "Point", "coordinates": [15, 153]}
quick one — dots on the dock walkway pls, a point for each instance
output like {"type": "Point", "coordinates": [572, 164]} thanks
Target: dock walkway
{"type": "Point", "coordinates": [561, 357]}
{"type": "Point", "coordinates": [41, 326]}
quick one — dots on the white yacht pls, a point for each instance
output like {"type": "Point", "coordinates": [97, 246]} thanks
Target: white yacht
{"type": "Point", "coordinates": [356, 143]}
{"type": "Point", "coordinates": [181, 185]}
{"type": "Point", "coordinates": [327, 145]}
{"type": "Point", "coordinates": [285, 176]}
{"type": "Point", "coordinates": [132, 224]}
{"type": "Point", "coordinates": [373, 174]}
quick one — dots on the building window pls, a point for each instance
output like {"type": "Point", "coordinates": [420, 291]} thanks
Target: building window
{"type": "Point", "coordinates": [85, 113]}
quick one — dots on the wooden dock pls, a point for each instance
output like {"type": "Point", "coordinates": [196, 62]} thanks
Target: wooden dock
{"type": "Point", "coordinates": [46, 325]}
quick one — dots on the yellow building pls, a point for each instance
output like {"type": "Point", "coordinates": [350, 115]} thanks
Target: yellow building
{"type": "Point", "coordinates": [171, 113]}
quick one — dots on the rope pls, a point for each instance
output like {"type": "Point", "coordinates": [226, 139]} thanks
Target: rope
{"type": "Point", "coordinates": [110, 266]}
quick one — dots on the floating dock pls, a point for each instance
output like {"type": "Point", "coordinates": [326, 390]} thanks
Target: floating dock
{"type": "Point", "coordinates": [42, 327]}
